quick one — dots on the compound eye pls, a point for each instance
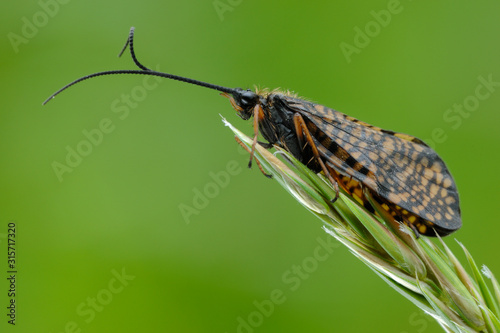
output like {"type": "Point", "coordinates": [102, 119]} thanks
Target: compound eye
{"type": "Point", "coordinates": [248, 99]}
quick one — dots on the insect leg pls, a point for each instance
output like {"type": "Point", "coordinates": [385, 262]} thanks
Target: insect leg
{"type": "Point", "coordinates": [256, 160]}
{"type": "Point", "coordinates": [258, 114]}
{"type": "Point", "coordinates": [411, 226]}
{"type": "Point", "coordinates": [302, 130]}
{"type": "Point", "coordinates": [266, 145]}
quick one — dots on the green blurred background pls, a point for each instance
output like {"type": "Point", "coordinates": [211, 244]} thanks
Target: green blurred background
{"type": "Point", "coordinates": [119, 210]}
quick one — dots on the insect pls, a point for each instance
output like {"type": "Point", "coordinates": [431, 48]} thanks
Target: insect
{"type": "Point", "coordinates": [400, 172]}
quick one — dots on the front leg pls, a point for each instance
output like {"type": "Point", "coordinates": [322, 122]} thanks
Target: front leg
{"type": "Point", "coordinates": [256, 160]}
{"type": "Point", "coordinates": [258, 115]}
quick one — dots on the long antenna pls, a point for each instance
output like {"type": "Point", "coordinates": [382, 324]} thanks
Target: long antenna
{"type": "Point", "coordinates": [144, 71]}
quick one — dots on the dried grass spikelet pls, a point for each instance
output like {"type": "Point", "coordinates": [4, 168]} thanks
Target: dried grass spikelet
{"type": "Point", "coordinates": [429, 276]}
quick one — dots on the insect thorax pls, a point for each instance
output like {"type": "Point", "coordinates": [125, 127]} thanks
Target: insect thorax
{"type": "Point", "coordinates": [278, 127]}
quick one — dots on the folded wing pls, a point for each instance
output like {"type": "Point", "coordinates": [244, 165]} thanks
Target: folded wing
{"type": "Point", "coordinates": [398, 167]}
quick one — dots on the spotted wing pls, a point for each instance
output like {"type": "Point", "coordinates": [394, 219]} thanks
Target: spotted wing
{"type": "Point", "coordinates": [398, 167]}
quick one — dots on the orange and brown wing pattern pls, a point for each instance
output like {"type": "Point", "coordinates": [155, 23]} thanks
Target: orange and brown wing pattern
{"type": "Point", "coordinates": [398, 168]}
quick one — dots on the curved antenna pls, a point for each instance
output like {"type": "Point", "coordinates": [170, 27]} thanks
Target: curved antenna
{"type": "Point", "coordinates": [130, 41]}
{"type": "Point", "coordinates": [144, 71]}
